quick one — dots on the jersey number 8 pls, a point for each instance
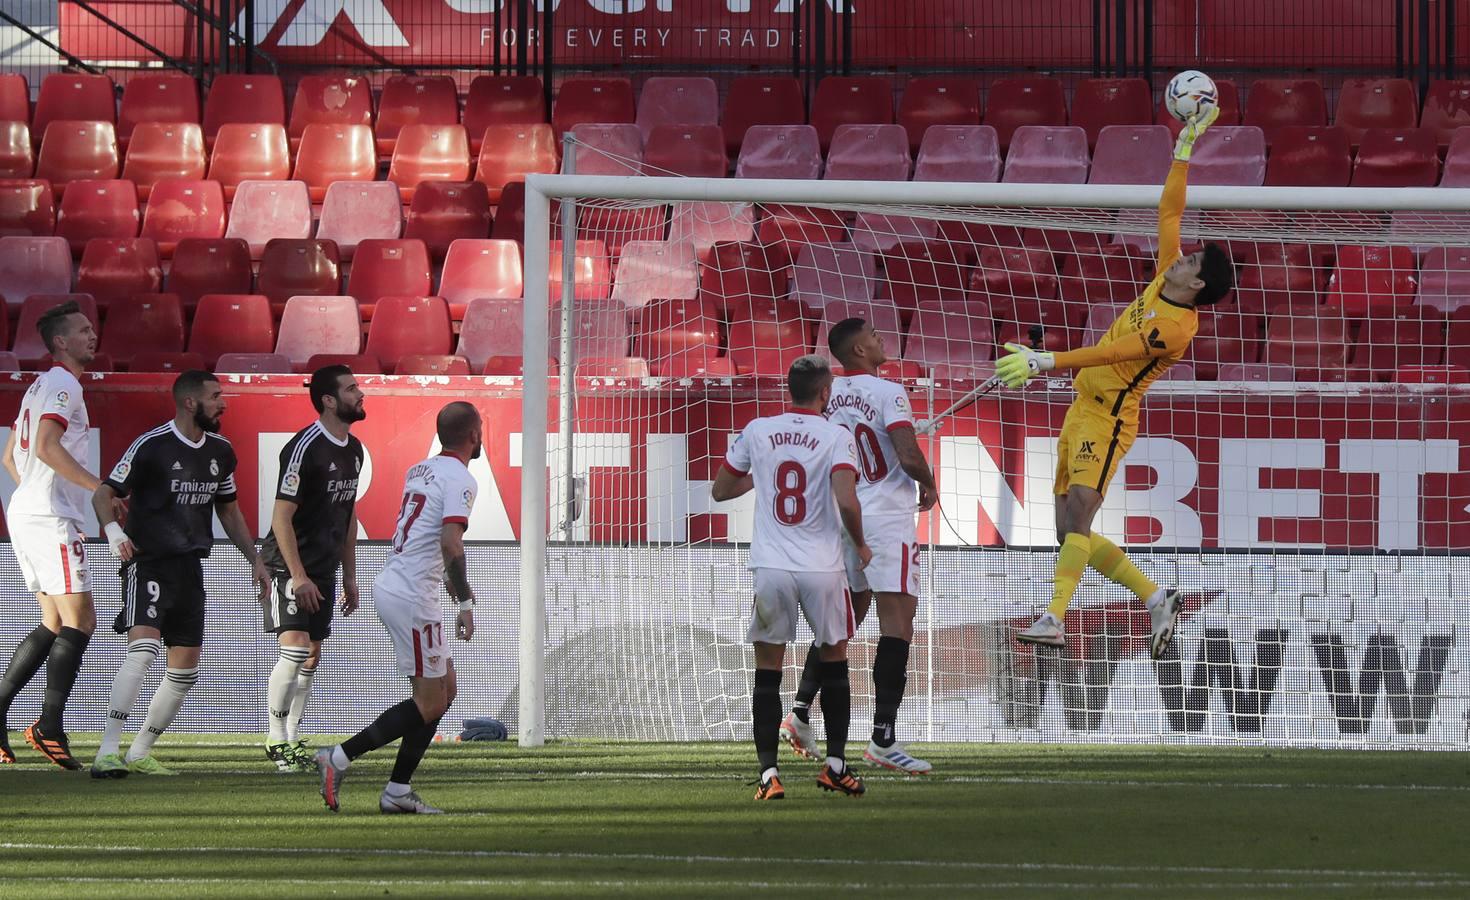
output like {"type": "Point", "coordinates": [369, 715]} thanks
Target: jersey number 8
{"type": "Point", "coordinates": [790, 503]}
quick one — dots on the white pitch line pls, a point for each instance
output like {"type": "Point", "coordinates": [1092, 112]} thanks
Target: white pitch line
{"type": "Point", "coordinates": [1446, 878]}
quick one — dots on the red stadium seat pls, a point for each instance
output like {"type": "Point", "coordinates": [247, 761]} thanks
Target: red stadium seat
{"type": "Point", "coordinates": [496, 101]}
{"type": "Point", "coordinates": [27, 208]}
{"type": "Point", "coordinates": [15, 98]}
{"type": "Point", "coordinates": [388, 268]}
{"type": "Point", "coordinates": [1414, 336]}
{"type": "Point", "coordinates": [266, 210]}
{"type": "Point", "coordinates": [829, 273]}
{"type": "Point", "coordinates": [330, 100]}
{"type": "Point", "coordinates": [738, 274]}
{"type": "Point", "coordinates": [115, 268]}
{"type": "Point", "coordinates": [491, 327]}
{"type": "Point", "coordinates": [433, 364]}
{"type": "Point", "coordinates": [706, 223]}
{"type": "Point", "coordinates": [290, 267]}
{"type": "Point", "coordinates": [953, 340]}
{"type": "Point", "coordinates": [429, 153]}
{"type": "Point", "coordinates": [656, 270]}
{"type": "Point", "coordinates": [28, 346]}
{"type": "Point", "coordinates": [17, 155]}
{"type": "Point", "coordinates": [791, 227]}
{"type": "Point", "coordinates": [1444, 279]}
{"type": "Point", "coordinates": [1458, 336]}
{"type": "Point", "coordinates": [959, 153]}
{"type": "Point", "coordinates": [780, 151]}
{"type": "Point", "coordinates": [98, 209]}
{"type": "Point", "coordinates": [1446, 108]}
{"type": "Point", "coordinates": [868, 153]}
{"type": "Point", "coordinates": [1100, 318]}
{"type": "Point", "coordinates": [600, 328]}
{"type": "Point", "coordinates": [1020, 288]}
{"type": "Point", "coordinates": [157, 98]}
{"type": "Point", "coordinates": [1100, 102]}
{"type": "Point", "coordinates": [74, 97]}
{"type": "Point", "coordinates": [1225, 156]}
{"type": "Point", "coordinates": [236, 99]}
{"type": "Point", "coordinates": [1445, 374]}
{"type": "Point", "coordinates": [1457, 161]}
{"type": "Point", "coordinates": [760, 100]}
{"type": "Point", "coordinates": [675, 335]}
{"type": "Point", "coordinates": [179, 209]}
{"type": "Point", "coordinates": [153, 361]}
{"type": "Point", "coordinates": [930, 101]}
{"type": "Point", "coordinates": [924, 273]}
{"type": "Point", "coordinates": [142, 323]}
{"type": "Point", "coordinates": [415, 100]}
{"type": "Point", "coordinates": [880, 313]}
{"type": "Point", "coordinates": [232, 323]}
{"type": "Point", "coordinates": [314, 325]}
{"type": "Point", "coordinates": [1364, 103]}
{"type": "Point", "coordinates": [1397, 158]}
{"type": "Point", "coordinates": [33, 265]}
{"type": "Point", "coordinates": [9, 362]}
{"type": "Point", "coordinates": [359, 363]}
{"type": "Point", "coordinates": [446, 211]}
{"type": "Point", "coordinates": [73, 150]}
{"type": "Point", "coordinates": [579, 100]}
{"type": "Point", "coordinates": [1225, 337]}
{"type": "Point", "coordinates": [1276, 275]}
{"type": "Point", "coordinates": [677, 101]}
{"type": "Point", "coordinates": [848, 100]}
{"type": "Point", "coordinates": [1131, 154]}
{"type": "Point", "coordinates": [1273, 103]}
{"type": "Point", "coordinates": [209, 266]}
{"type": "Point", "coordinates": [1105, 274]}
{"type": "Point", "coordinates": [356, 211]}
{"type": "Point", "coordinates": [691, 366]}
{"type": "Point", "coordinates": [404, 326]}
{"type": "Point", "coordinates": [510, 213]}
{"type": "Point", "coordinates": [1030, 100]}
{"type": "Point", "coordinates": [608, 149]}
{"type": "Point", "coordinates": [253, 364]}
{"type": "Point", "coordinates": [1310, 157]}
{"type": "Point", "coordinates": [696, 151]}
{"type": "Point", "coordinates": [612, 367]}
{"type": "Point", "coordinates": [614, 227]}
{"type": "Point", "coordinates": [1314, 344]}
{"type": "Point", "coordinates": [1372, 280]}
{"type": "Point", "coordinates": [511, 152]}
{"type": "Point", "coordinates": [162, 150]}
{"type": "Point", "coordinates": [591, 271]}
{"type": "Point", "coordinates": [1229, 100]}
{"type": "Point", "coordinates": [332, 153]}
{"type": "Point", "coordinates": [249, 152]}
{"type": "Point", "coordinates": [1042, 154]}
{"type": "Point", "coordinates": [476, 269]}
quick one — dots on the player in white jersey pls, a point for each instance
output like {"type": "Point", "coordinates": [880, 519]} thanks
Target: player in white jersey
{"type": "Point", "coordinates": [46, 455]}
{"type": "Point", "coordinates": [892, 470]}
{"type": "Point", "coordinates": [803, 470]}
{"type": "Point", "coordinates": [428, 548]}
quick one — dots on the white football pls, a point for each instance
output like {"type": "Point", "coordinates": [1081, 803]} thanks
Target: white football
{"type": "Point", "coordinates": [1190, 94]}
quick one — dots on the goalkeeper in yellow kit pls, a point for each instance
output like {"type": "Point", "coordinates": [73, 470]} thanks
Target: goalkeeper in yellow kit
{"type": "Point", "coordinates": [1146, 338]}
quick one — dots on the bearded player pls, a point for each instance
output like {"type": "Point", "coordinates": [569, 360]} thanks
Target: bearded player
{"type": "Point", "coordinates": [1151, 334]}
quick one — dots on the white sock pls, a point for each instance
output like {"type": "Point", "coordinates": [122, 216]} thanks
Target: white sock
{"type": "Point", "coordinates": [281, 689]}
{"type": "Point", "coordinates": [836, 764]}
{"type": "Point", "coordinates": [394, 789]}
{"type": "Point", "coordinates": [768, 774]}
{"type": "Point", "coordinates": [298, 703]}
{"type": "Point", "coordinates": [339, 757]}
{"type": "Point", "coordinates": [166, 703]}
{"type": "Point", "coordinates": [126, 685]}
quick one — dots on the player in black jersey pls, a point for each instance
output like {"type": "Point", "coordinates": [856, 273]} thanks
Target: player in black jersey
{"type": "Point", "coordinates": [313, 531]}
{"type": "Point", "coordinates": [177, 477]}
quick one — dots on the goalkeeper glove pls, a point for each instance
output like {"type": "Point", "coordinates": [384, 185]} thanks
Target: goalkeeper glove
{"type": "Point", "coordinates": [1184, 146]}
{"type": "Point", "coordinates": [1017, 367]}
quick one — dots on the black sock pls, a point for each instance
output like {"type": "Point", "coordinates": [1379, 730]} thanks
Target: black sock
{"type": "Point", "coordinates": [836, 706]}
{"type": "Point", "coordinates": [765, 711]}
{"type": "Point", "coordinates": [890, 674]}
{"type": "Point", "coordinates": [62, 665]}
{"type": "Point", "coordinates": [24, 663]}
{"type": "Point", "coordinates": [811, 681]}
{"type": "Point", "coordinates": [411, 751]}
{"type": "Point", "coordinates": [394, 723]}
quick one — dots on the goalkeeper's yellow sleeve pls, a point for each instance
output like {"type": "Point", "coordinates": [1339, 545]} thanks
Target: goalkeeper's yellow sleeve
{"type": "Point", "coordinates": [1171, 212]}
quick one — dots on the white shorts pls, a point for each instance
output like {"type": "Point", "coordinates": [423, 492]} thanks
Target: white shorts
{"type": "Point", "coordinates": [821, 596]}
{"type": "Point", "coordinates": [52, 558]}
{"type": "Point", "coordinates": [417, 629]}
{"type": "Point", "coordinates": [894, 541]}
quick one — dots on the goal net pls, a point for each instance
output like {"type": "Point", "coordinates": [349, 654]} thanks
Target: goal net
{"type": "Point", "coordinates": [1300, 476]}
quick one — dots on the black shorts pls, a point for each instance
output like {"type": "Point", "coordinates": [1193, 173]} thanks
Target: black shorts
{"type": "Point", "coordinates": [282, 613]}
{"type": "Point", "coordinates": [167, 594]}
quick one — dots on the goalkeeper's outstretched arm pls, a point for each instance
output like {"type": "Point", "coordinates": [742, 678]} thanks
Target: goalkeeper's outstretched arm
{"type": "Point", "coordinates": [1171, 203]}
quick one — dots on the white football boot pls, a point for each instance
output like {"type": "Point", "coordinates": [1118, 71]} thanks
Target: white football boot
{"type": "Point", "coordinates": [798, 735]}
{"type": "Point", "coordinates": [895, 757]}
{"type": "Point", "coordinates": [1046, 631]}
{"type": "Point", "coordinates": [1163, 613]}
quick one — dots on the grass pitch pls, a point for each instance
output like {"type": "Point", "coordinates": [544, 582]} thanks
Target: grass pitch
{"type": "Point", "coordinates": [579, 819]}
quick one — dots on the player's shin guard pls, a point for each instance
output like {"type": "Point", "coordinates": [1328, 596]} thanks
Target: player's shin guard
{"type": "Point", "coordinates": [836, 706]}
{"type": "Point", "coordinates": [126, 686]}
{"type": "Point", "coordinates": [167, 701]}
{"type": "Point", "coordinates": [411, 752]}
{"type": "Point", "coordinates": [765, 710]}
{"type": "Point", "coordinates": [281, 689]}
{"type": "Point", "coordinates": [890, 675]}
{"type": "Point", "coordinates": [62, 665]}
{"type": "Point", "coordinates": [298, 703]}
{"type": "Point", "coordinates": [811, 681]}
{"type": "Point", "coordinates": [394, 723]}
{"type": "Point", "coordinates": [1071, 562]}
{"type": "Point", "coordinates": [24, 663]}
{"type": "Point", "coordinates": [1114, 565]}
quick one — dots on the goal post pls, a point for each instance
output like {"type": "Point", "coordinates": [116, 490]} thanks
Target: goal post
{"type": "Point", "coordinates": [1314, 509]}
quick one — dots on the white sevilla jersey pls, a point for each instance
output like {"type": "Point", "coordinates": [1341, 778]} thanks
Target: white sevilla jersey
{"type": "Point", "coordinates": [870, 408]}
{"type": "Point", "coordinates": [438, 491]}
{"type": "Point", "coordinates": [791, 458]}
{"type": "Point", "coordinates": [55, 395]}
